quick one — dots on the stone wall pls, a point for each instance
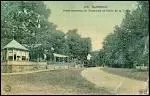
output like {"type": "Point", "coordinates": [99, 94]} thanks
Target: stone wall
{"type": "Point", "coordinates": [20, 66]}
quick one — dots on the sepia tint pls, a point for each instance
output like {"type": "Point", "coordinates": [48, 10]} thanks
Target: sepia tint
{"type": "Point", "coordinates": [74, 47]}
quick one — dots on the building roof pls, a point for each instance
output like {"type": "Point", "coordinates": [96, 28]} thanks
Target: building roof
{"type": "Point", "coordinates": [14, 44]}
{"type": "Point", "coordinates": [59, 55]}
{"type": "Point", "coordinates": [33, 45]}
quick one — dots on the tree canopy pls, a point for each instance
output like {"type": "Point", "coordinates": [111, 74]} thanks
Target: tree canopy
{"type": "Point", "coordinates": [128, 45]}
{"type": "Point", "coordinates": [27, 22]}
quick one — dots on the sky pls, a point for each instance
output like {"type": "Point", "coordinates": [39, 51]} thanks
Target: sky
{"type": "Point", "coordinates": [96, 25]}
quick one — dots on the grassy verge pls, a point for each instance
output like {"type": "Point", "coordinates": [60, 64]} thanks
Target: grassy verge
{"type": "Point", "coordinates": [130, 73]}
{"type": "Point", "coordinates": [55, 82]}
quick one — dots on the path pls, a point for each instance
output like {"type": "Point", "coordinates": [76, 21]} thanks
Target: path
{"type": "Point", "coordinates": [114, 83]}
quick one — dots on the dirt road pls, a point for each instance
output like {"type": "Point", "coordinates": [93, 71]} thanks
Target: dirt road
{"type": "Point", "coordinates": [114, 83]}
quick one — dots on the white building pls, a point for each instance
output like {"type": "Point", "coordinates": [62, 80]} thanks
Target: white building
{"type": "Point", "coordinates": [14, 51]}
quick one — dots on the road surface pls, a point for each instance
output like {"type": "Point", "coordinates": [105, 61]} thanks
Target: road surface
{"type": "Point", "coordinates": [114, 83]}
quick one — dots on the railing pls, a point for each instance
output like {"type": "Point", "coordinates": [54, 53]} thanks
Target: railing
{"type": "Point", "coordinates": [142, 67]}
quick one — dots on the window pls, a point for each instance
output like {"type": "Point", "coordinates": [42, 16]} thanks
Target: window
{"type": "Point", "coordinates": [23, 57]}
{"type": "Point", "coordinates": [10, 57]}
{"type": "Point", "coordinates": [18, 57]}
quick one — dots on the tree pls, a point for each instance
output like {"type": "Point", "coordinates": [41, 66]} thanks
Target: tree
{"type": "Point", "coordinates": [27, 22]}
{"type": "Point", "coordinates": [73, 40]}
{"type": "Point", "coordinates": [24, 20]}
{"type": "Point", "coordinates": [59, 42]}
{"type": "Point", "coordinates": [98, 58]}
{"type": "Point", "coordinates": [78, 47]}
{"type": "Point", "coordinates": [126, 46]}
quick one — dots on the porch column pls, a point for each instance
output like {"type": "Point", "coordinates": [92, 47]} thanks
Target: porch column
{"type": "Point", "coordinates": [13, 54]}
{"type": "Point", "coordinates": [67, 59]}
{"type": "Point", "coordinates": [21, 55]}
{"type": "Point", "coordinates": [6, 54]}
{"type": "Point", "coordinates": [68, 62]}
{"type": "Point", "coordinates": [54, 59]}
{"type": "Point", "coordinates": [63, 60]}
{"type": "Point", "coordinates": [28, 56]}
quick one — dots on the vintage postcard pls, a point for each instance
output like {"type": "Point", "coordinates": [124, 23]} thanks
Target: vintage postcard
{"type": "Point", "coordinates": [74, 47]}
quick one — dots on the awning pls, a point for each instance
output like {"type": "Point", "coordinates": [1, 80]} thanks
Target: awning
{"type": "Point", "coordinates": [59, 55]}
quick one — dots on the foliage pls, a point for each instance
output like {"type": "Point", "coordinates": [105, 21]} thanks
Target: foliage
{"type": "Point", "coordinates": [27, 22]}
{"type": "Point", "coordinates": [128, 45]}
{"type": "Point", "coordinates": [79, 47]}
{"type": "Point", "coordinates": [24, 20]}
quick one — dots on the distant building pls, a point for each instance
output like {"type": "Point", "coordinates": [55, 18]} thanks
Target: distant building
{"type": "Point", "coordinates": [60, 58]}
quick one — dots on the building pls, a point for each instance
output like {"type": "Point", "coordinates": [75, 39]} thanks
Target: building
{"type": "Point", "coordinates": [14, 51]}
{"type": "Point", "coordinates": [59, 58]}
{"type": "Point", "coordinates": [13, 57]}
